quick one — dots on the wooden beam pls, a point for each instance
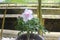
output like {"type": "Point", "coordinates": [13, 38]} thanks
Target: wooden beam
{"type": "Point", "coordinates": [42, 4]}
{"type": "Point", "coordinates": [43, 16]}
{"type": "Point", "coordinates": [23, 7]}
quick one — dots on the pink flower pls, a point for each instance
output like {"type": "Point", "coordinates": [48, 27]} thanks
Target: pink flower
{"type": "Point", "coordinates": [27, 15]}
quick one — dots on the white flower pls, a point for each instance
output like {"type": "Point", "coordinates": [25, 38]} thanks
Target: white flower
{"type": "Point", "coordinates": [27, 15]}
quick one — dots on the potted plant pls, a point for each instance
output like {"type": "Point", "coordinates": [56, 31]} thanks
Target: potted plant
{"type": "Point", "coordinates": [30, 25]}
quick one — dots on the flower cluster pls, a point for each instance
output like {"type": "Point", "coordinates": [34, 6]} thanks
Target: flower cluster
{"type": "Point", "coordinates": [27, 22]}
{"type": "Point", "coordinates": [27, 15]}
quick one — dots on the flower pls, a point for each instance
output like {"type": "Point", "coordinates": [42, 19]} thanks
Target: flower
{"type": "Point", "coordinates": [26, 22]}
{"type": "Point", "coordinates": [27, 15]}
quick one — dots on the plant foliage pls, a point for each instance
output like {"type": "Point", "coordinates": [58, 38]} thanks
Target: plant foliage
{"type": "Point", "coordinates": [31, 25]}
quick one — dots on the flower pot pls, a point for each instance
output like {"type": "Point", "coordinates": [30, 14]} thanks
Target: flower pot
{"type": "Point", "coordinates": [32, 37]}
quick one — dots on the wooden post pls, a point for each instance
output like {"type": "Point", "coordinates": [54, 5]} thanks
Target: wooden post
{"type": "Point", "coordinates": [3, 21]}
{"type": "Point", "coordinates": [39, 12]}
{"type": "Point", "coordinates": [40, 15]}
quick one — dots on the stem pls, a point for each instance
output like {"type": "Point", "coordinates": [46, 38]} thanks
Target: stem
{"type": "Point", "coordinates": [31, 32]}
{"type": "Point", "coordinates": [28, 35]}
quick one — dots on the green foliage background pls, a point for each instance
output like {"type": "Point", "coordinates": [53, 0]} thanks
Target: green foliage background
{"type": "Point", "coordinates": [32, 1]}
{"type": "Point", "coordinates": [20, 1]}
